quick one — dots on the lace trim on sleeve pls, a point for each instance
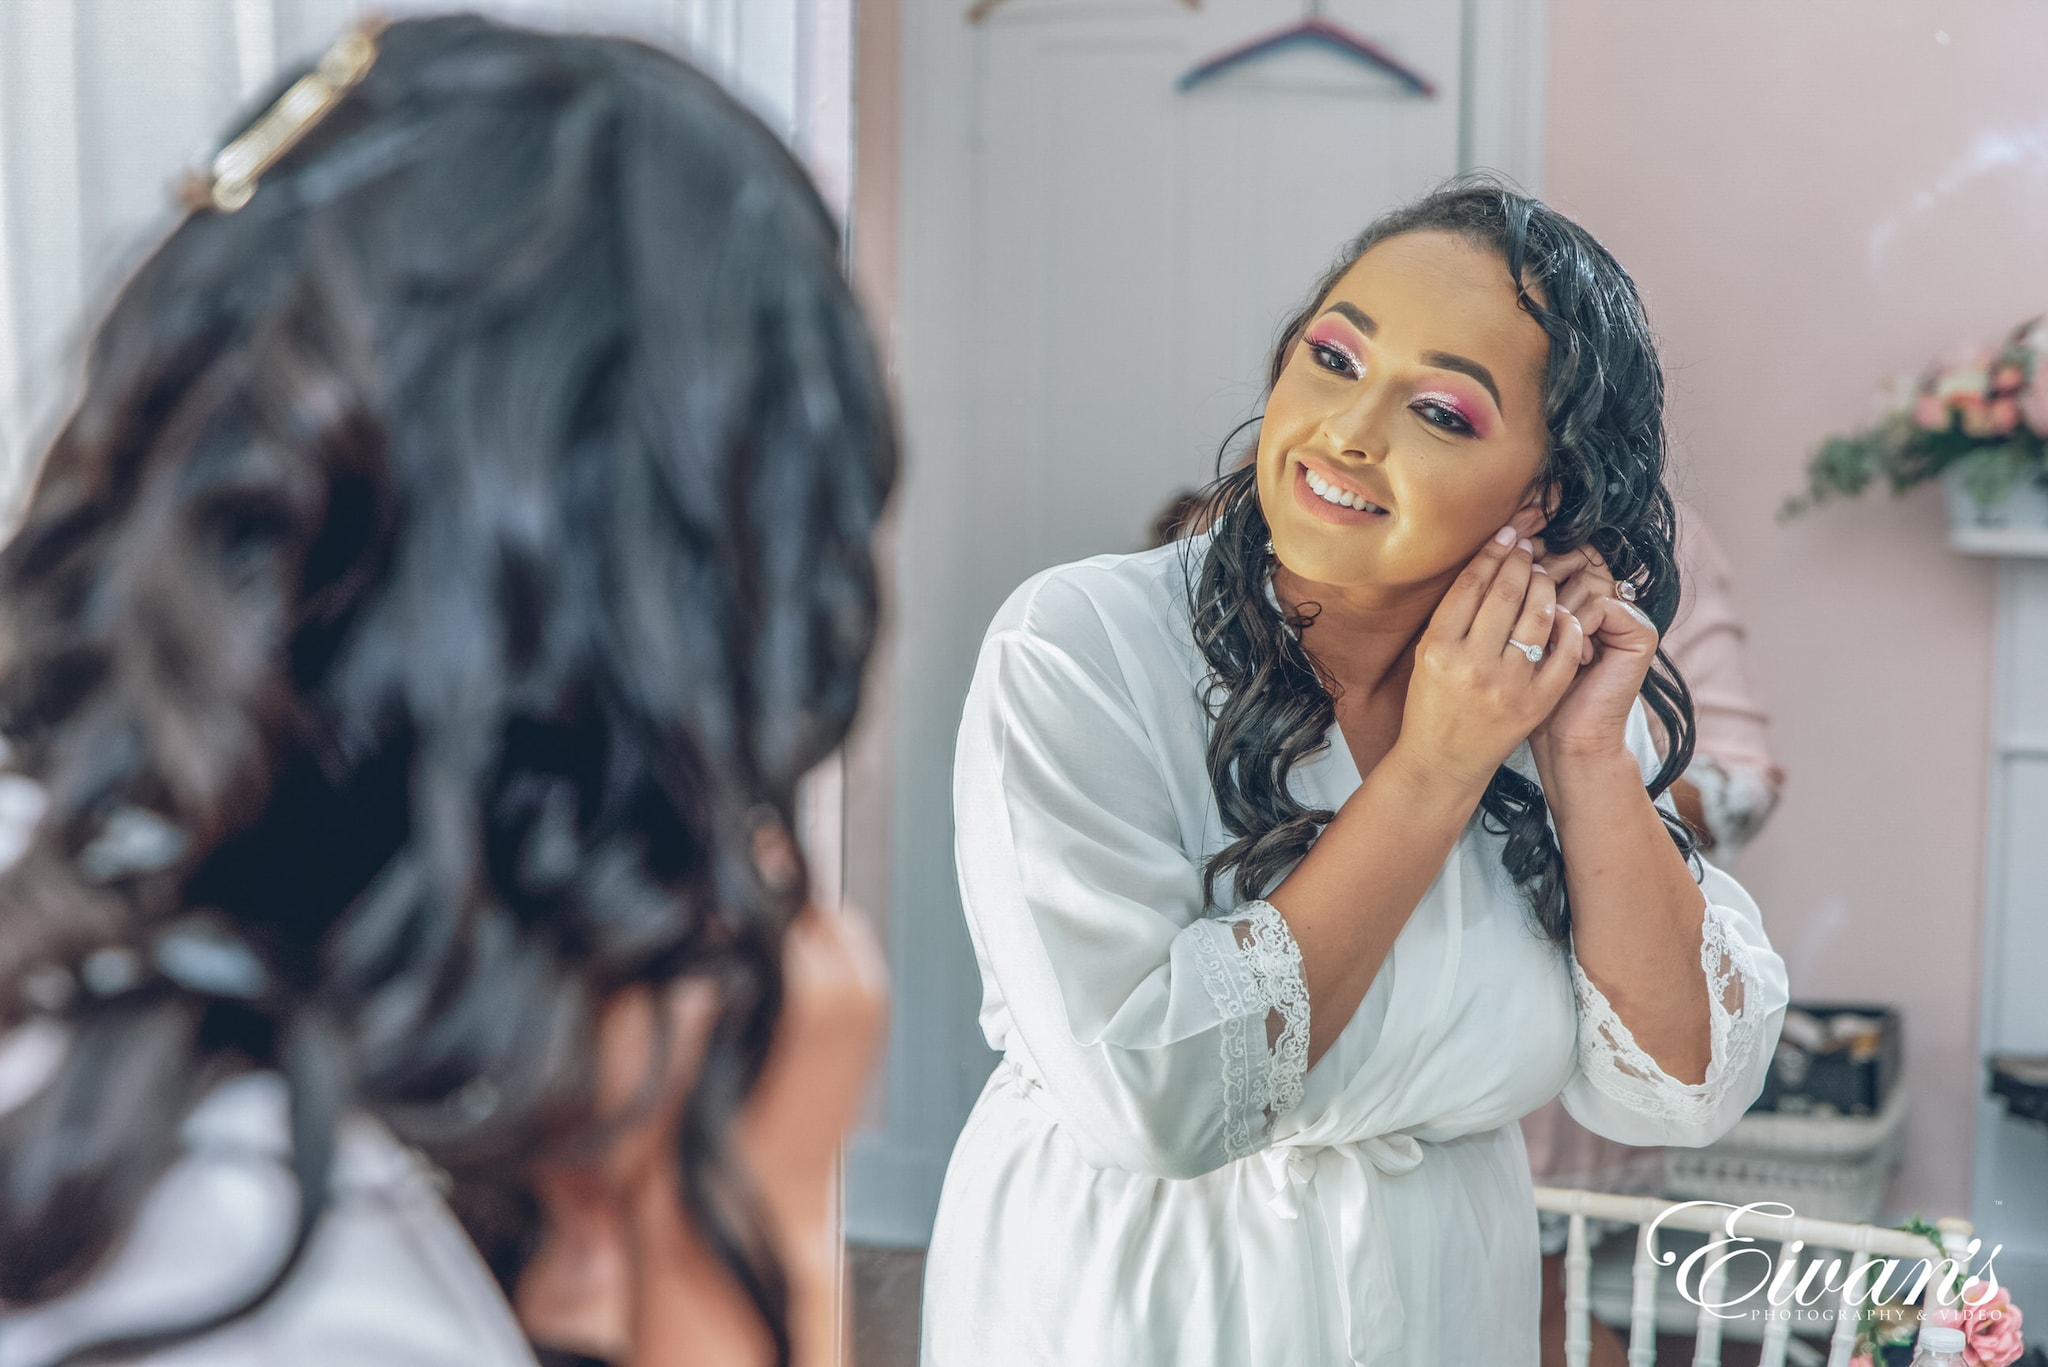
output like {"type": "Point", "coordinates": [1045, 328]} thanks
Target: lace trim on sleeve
{"type": "Point", "coordinates": [1255, 976]}
{"type": "Point", "coordinates": [1618, 1066]}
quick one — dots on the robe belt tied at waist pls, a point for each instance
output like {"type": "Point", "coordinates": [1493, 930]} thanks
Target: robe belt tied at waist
{"type": "Point", "coordinates": [1320, 1200]}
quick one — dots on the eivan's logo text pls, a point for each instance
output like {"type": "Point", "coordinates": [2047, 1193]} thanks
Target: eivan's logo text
{"type": "Point", "coordinates": [1746, 1270]}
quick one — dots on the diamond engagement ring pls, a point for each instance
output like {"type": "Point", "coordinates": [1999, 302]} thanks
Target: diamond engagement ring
{"type": "Point", "coordinates": [1626, 591]}
{"type": "Point", "coordinates": [1535, 653]}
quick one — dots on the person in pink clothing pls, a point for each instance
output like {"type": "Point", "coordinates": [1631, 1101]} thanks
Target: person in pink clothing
{"type": "Point", "coordinates": [1727, 793]}
{"type": "Point", "coordinates": [1733, 783]}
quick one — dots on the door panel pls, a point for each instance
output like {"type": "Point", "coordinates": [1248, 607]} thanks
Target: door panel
{"type": "Point", "coordinates": [1137, 247]}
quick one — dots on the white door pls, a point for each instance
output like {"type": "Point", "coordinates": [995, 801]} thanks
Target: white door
{"type": "Point", "coordinates": [1093, 268]}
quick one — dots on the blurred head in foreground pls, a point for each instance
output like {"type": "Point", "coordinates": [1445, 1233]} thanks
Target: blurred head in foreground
{"type": "Point", "coordinates": [419, 630]}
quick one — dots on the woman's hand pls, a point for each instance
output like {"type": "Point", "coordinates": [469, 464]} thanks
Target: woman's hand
{"type": "Point", "coordinates": [1473, 697]}
{"type": "Point", "coordinates": [827, 1040]}
{"type": "Point", "coordinates": [622, 1274]}
{"type": "Point", "coordinates": [1620, 644]}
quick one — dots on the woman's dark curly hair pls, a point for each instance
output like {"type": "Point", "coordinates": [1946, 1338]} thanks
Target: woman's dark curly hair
{"type": "Point", "coordinates": [456, 558]}
{"type": "Point", "coordinates": [1604, 404]}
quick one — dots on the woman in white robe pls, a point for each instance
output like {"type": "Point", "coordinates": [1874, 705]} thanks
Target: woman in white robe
{"type": "Point", "coordinates": [1164, 1168]}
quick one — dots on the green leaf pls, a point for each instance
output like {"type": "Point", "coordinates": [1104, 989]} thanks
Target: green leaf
{"type": "Point", "coordinates": [1918, 1226]}
{"type": "Point", "coordinates": [1903, 454]}
{"type": "Point", "coordinates": [1989, 472]}
{"type": "Point", "coordinates": [1842, 467]}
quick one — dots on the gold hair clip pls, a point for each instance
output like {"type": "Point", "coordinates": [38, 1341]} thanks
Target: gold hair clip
{"type": "Point", "coordinates": [231, 180]}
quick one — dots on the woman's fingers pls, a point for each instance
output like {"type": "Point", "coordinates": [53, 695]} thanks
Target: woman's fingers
{"type": "Point", "coordinates": [1460, 606]}
{"type": "Point", "coordinates": [1621, 623]}
{"type": "Point", "coordinates": [1584, 581]}
{"type": "Point", "coordinates": [1608, 620]}
{"type": "Point", "coordinates": [833, 1022]}
{"type": "Point", "coordinates": [1501, 605]}
{"type": "Point", "coordinates": [1539, 607]}
{"type": "Point", "coordinates": [1473, 697]}
{"type": "Point", "coordinates": [831, 1030]}
{"type": "Point", "coordinates": [1568, 645]}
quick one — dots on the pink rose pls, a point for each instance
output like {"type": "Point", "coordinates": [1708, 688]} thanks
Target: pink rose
{"type": "Point", "coordinates": [1932, 414]}
{"type": "Point", "coordinates": [1861, 1360]}
{"type": "Point", "coordinates": [2003, 416]}
{"type": "Point", "coordinates": [1965, 372]}
{"type": "Point", "coordinates": [2034, 400]}
{"type": "Point", "coordinates": [1992, 1326]}
{"type": "Point", "coordinates": [2007, 378]}
{"type": "Point", "coordinates": [1976, 415]}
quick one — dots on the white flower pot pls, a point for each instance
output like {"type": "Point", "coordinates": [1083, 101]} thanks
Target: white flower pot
{"type": "Point", "coordinates": [2025, 504]}
{"type": "Point", "coordinates": [2015, 525]}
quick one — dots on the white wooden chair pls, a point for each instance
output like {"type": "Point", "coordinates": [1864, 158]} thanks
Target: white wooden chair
{"type": "Point", "coordinates": [1822, 1239]}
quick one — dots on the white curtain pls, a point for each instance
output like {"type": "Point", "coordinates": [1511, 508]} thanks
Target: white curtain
{"type": "Point", "coordinates": [103, 103]}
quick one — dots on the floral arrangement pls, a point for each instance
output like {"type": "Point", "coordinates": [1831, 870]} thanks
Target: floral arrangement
{"type": "Point", "coordinates": [1990, 1324]}
{"type": "Point", "coordinates": [1984, 409]}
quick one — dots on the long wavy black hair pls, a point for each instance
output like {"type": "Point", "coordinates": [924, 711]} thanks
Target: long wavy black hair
{"type": "Point", "coordinates": [456, 558]}
{"type": "Point", "coordinates": [1604, 406]}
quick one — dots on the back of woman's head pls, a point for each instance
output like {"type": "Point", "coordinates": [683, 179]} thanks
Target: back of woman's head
{"type": "Point", "coordinates": [456, 559]}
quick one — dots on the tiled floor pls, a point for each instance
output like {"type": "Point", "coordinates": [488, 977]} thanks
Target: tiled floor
{"type": "Point", "coordinates": [888, 1285]}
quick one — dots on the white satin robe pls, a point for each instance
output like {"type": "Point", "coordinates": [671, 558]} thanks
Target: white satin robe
{"type": "Point", "coordinates": [1122, 1194]}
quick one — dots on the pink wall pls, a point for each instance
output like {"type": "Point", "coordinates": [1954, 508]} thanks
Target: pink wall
{"type": "Point", "coordinates": [1813, 196]}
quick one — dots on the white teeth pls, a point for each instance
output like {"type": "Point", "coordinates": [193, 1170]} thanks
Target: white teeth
{"type": "Point", "coordinates": [1330, 493]}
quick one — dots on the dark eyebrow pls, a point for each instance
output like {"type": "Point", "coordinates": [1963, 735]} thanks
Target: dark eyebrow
{"type": "Point", "coordinates": [1357, 316]}
{"type": "Point", "coordinates": [1442, 360]}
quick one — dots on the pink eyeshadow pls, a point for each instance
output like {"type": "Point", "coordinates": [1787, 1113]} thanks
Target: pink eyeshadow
{"type": "Point", "coordinates": [1472, 413]}
{"type": "Point", "coordinates": [1337, 337]}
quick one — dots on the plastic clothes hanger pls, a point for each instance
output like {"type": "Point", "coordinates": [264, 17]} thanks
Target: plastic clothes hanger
{"type": "Point", "coordinates": [1311, 31]}
{"type": "Point", "coordinates": [982, 9]}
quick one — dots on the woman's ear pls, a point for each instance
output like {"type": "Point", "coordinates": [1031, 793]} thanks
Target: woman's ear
{"type": "Point", "coordinates": [1542, 506]}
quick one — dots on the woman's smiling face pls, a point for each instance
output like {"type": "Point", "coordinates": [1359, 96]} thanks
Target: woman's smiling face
{"type": "Point", "coordinates": [1417, 389]}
